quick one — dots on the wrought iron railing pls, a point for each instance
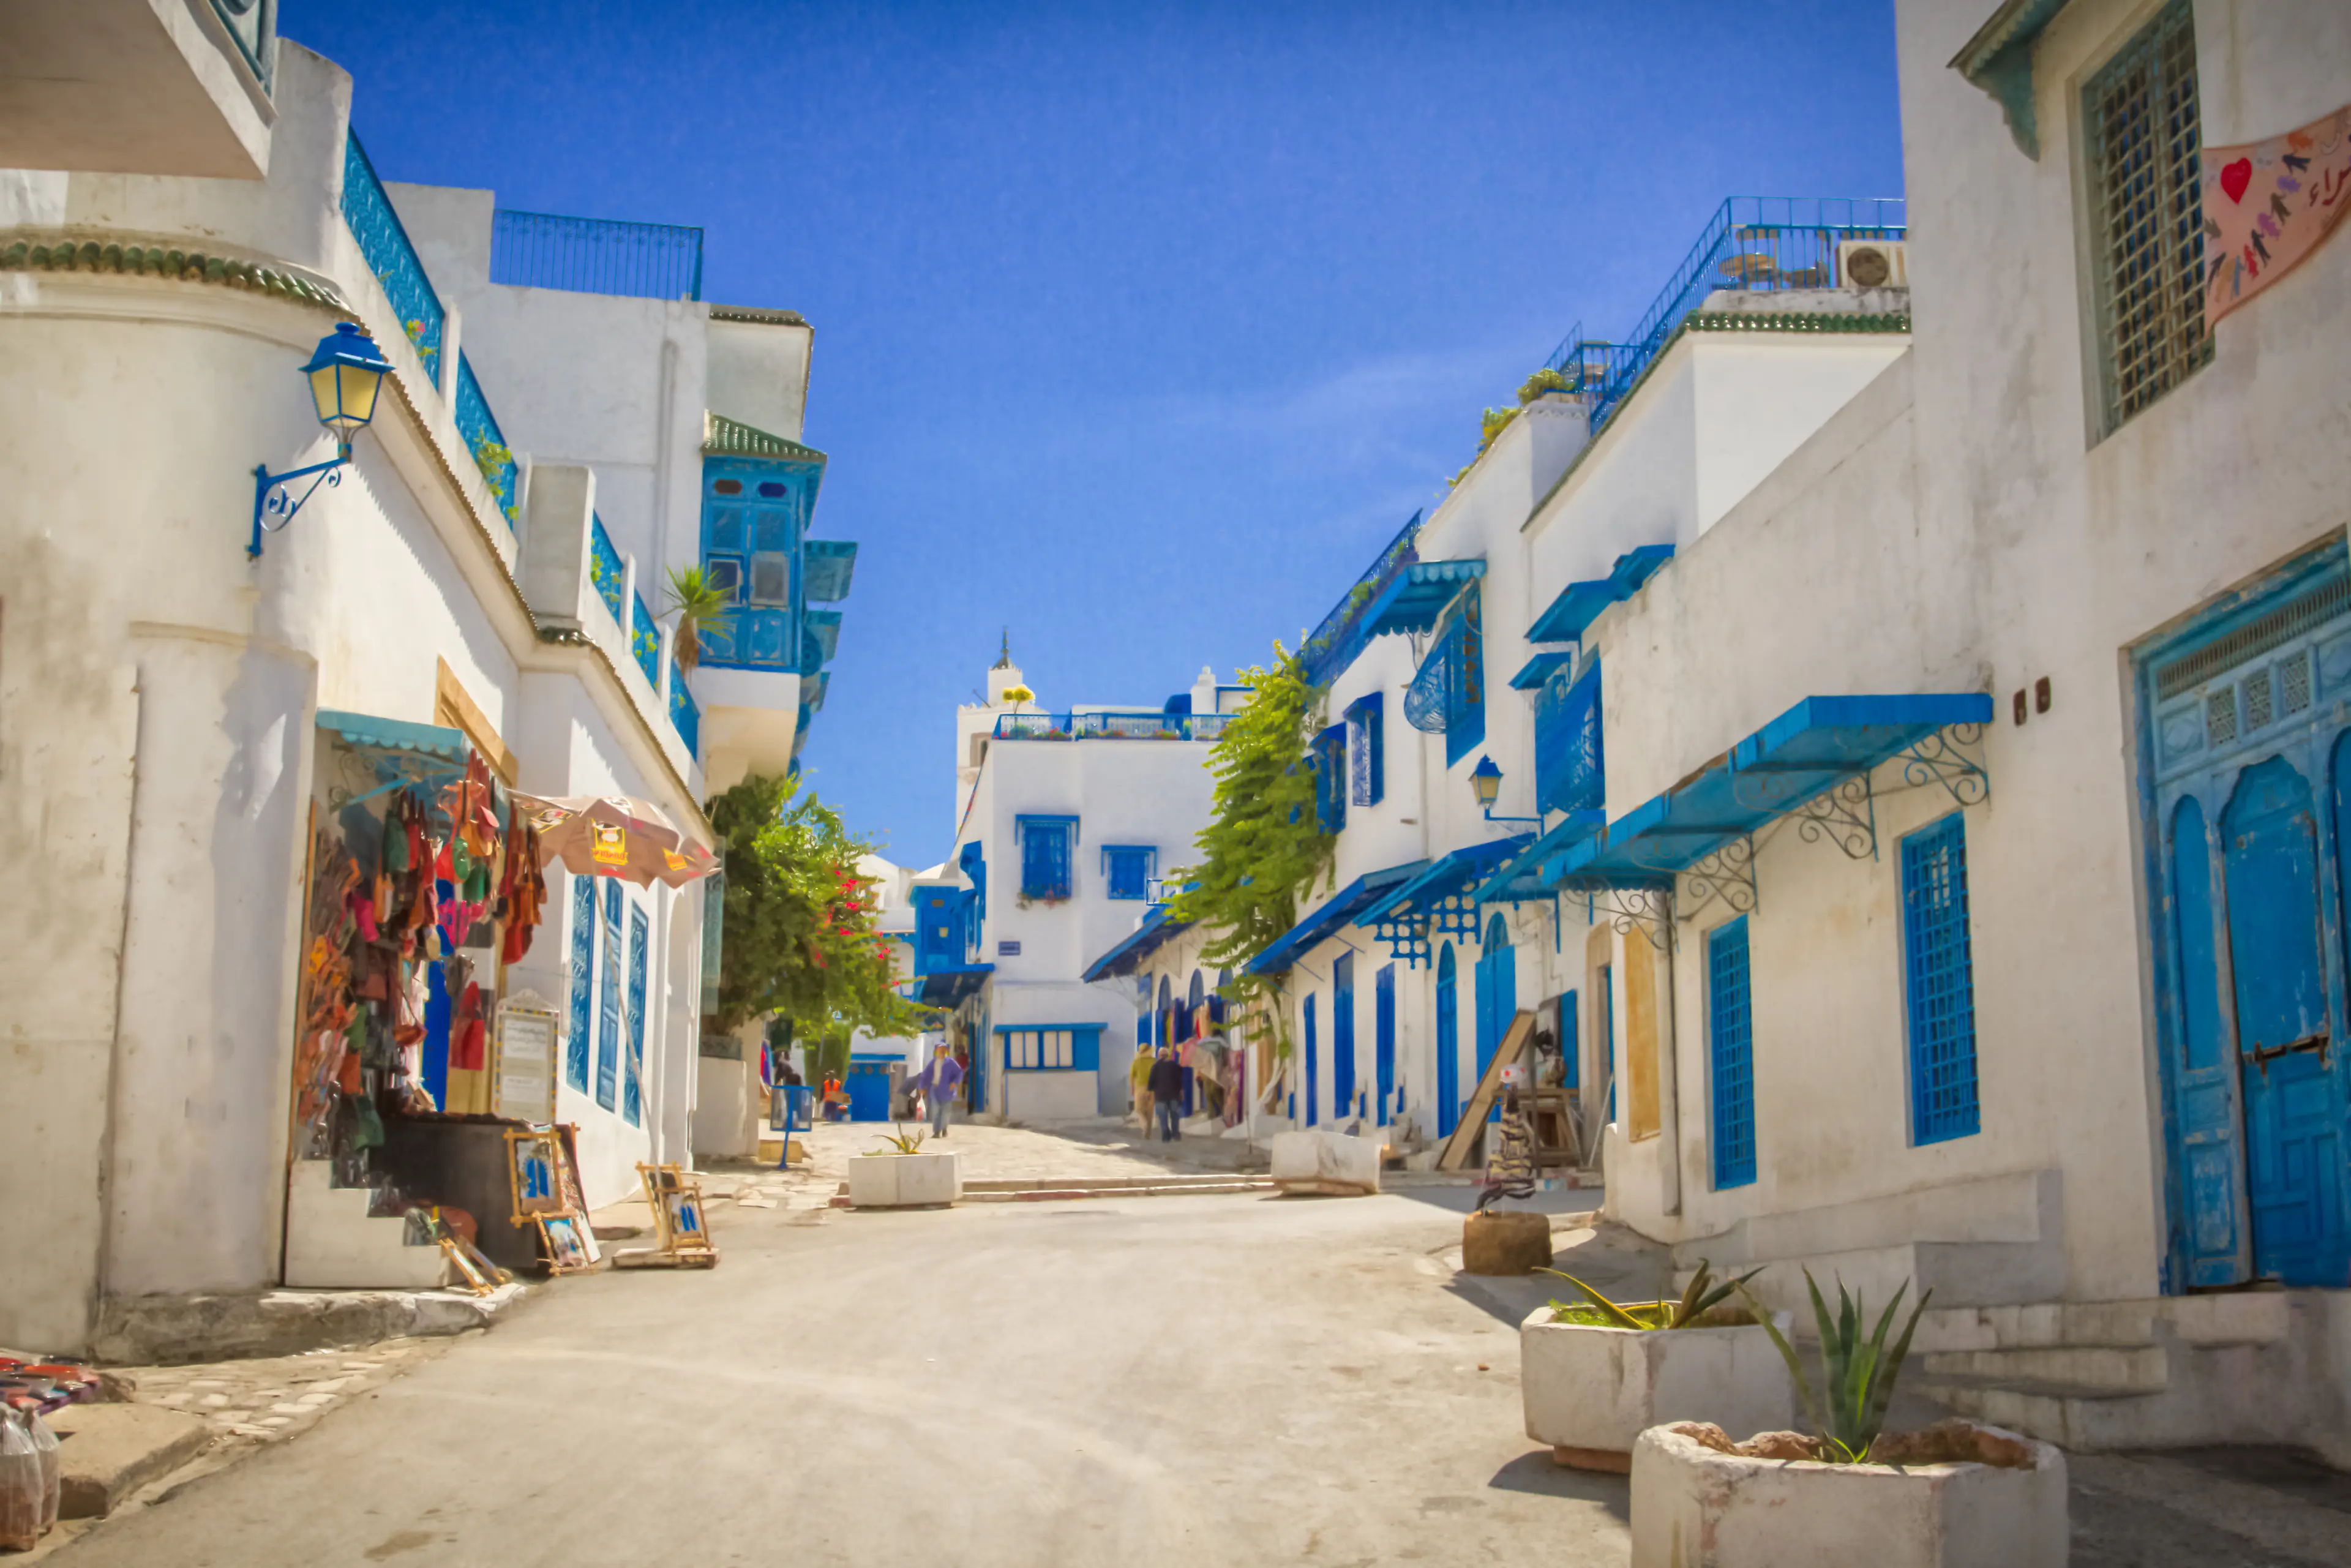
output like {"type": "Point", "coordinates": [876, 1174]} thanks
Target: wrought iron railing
{"type": "Point", "coordinates": [605, 567]}
{"type": "Point", "coordinates": [1334, 644]}
{"type": "Point", "coordinates": [644, 639]}
{"type": "Point", "coordinates": [385, 244]}
{"type": "Point", "coordinates": [595, 256]}
{"type": "Point", "coordinates": [685, 713]}
{"type": "Point", "coordinates": [1138, 725]}
{"type": "Point", "coordinates": [486, 441]}
{"type": "Point", "coordinates": [1752, 243]}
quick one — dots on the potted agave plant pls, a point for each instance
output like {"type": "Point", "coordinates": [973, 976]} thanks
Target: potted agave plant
{"type": "Point", "coordinates": [1595, 1374]}
{"type": "Point", "coordinates": [1952, 1495]}
{"type": "Point", "coordinates": [898, 1175]}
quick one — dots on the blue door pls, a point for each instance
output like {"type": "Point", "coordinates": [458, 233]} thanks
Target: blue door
{"type": "Point", "coordinates": [1384, 1041]}
{"type": "Point", "coordinates": [867, 1084]}
{"type": "Point", "coordinates": [1449, 1044]}
{"type": "Point", "coordinates": [1312, 1108]}
{"type": "Point", "coordinates": [1498, 998]}
{"type": "Point", "coordinates": [1570, 1054]}
{"type": "Point", "coordinates": [2294, 1138]}
{"type": "Point", "coordinates": [1343, 1037]}
{"type": "Point", "coordinates": [2218, 1249]}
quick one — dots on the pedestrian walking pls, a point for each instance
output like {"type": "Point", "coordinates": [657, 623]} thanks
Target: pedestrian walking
{"type": "Point", "coordinates": [940, 1081]}
{"type": "Point", "coordinates": [1138, 1080]}
{"type": "Point", "coordinates": [1167, 1095]}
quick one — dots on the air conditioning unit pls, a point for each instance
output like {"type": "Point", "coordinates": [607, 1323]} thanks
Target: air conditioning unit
{"type": "Point", "coordinates": [1872, 264]}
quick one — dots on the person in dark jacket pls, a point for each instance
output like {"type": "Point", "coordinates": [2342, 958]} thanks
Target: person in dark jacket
{"type": "Point", "coordinates": [1167, 1095]}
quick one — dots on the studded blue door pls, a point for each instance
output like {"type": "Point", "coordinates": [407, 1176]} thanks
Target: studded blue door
{"type": "Point", "coordinates": [1448, 1043]}
{"type": "Point", "coordinates": [1384, 1041]}
{"type": "Point", "coordinates": [1343, 1037]}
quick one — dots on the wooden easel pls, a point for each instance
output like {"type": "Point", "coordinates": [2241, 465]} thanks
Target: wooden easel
{"type": "Point", "coordinates": [1455, 1154]}
{"type": "Point", "coordinates": [676, 1247]}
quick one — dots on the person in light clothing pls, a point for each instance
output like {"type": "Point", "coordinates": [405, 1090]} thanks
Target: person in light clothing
{"type": "Point", "coordinates": [939, 1082]}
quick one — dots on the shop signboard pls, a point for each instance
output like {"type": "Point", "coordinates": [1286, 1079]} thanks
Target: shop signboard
{"type": "Point", "coordinates": [527, 1054]}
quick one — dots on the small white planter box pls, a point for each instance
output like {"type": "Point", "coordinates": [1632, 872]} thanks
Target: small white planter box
{"type": "Point", "coordinates": [1325, 1162]}
{"type": "Point", "coordinates": [905, 1181]}
{"type": "Point", "coordinates": [1590, 1393]}
{"type": "Point", "coordinates": [1694, 1507]}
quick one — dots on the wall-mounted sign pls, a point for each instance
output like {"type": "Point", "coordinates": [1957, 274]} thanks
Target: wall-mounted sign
{"type": "Point", "coordinates": [1008, 949]}
{"type": "Point", "coordinates": [525, 1065]}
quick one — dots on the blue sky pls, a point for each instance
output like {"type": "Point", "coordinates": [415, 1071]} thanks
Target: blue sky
{"type": "Point", "coordinates": [1141, 329]}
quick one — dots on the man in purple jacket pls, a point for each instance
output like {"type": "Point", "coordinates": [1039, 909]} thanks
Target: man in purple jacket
{"type": "Point", "coordinates": [939, 1082]}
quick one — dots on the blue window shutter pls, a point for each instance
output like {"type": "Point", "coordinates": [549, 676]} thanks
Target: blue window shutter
{"type": "Point", "coordinates": [1570, 1051]}
{"type": "Point", "coordinates": [632, 1089]}
{"type": "Point", "coordinates": [1940, 971]}
{"type": "Point", "coordinates": [1731, 1039]}
{"type": "Point", "coordinates": [1045, 855]}
{"type": "Point", "coordinates": [608, 1010]}
{"type": "Point", "coordinates": [1569, 775]}
{"type": "Point", "coordinates": [583, 980]}
{"type": "Point", "coordinates": [1367, 764]}
{"type": "Point", "coordinates": [1465, 694]}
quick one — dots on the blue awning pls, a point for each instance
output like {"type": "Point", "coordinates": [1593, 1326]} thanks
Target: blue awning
{"type": "Point", "coordinates": [1537, 670]}
{"type": "Point", "coordinates": [1333, 913]}
{"type": "Point", "coordinates": [1446, 877]}
{"type": "Point", "coordinates": [1417, 594]}
{"type": "Point", "coordinates": [1518, 877]}
{"type": "Point", "coordinates": [949, 987]}
{"type": "Point", "coordinates": [1579, 604]}
{"type": "Point", "coordinates": [1137, 945]}
{"type": "Point", "coordinates": [396, 735]}
{"type": "Point", "coordinates": [1775, 770]}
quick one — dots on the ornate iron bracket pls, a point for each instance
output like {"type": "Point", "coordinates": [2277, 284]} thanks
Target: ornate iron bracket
{"type": "Point", "coordinates": [1648, 910]}
{"type": "Point", "coordinates": [1727, 874]}
{"type": "Point", "coordinates": [1943, 759]}
{"type": "Point", "coordinates": [273, 495]}
{"type": "Point", "coordinates": [1845, 815]}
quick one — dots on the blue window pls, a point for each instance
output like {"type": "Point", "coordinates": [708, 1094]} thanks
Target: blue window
{"type": "Point", "coordinates": [1940, 972]}
{"type": "Point", "coordinates": [751, 528]}
{"type": "Point", "coordinates": [1330, 761]}
{"type": "Point", "coordinates": [1366, 754]}
{"type": "Point", "coordinates": [633, 1100]}
{"type": "Point", "coordinates": [1449, 691]}
{"type": "Point", "coordinates": [1730, 1039]}
{"type": "Point", "coordinates": [1129, 869]}
{"type": "Point", "coordinates": [1568, 765]}
{"type": "Point", "coordinates": [1045, 843]}
{"type": "Point", "coordinates": [1051, 1047]}
{"type": "Point", "coordinates": [608, 1020]}
{"type": "Point", "coordinates": [583, 980]}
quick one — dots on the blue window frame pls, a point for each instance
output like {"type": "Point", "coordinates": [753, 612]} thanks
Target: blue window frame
{"type": "Point", "coordinates": [632, 1094]}
{"type": "Point", "coordinates": [1051, 1047]}
{"type": "Point", "coordinates": [1941, 973]}
{"type": "Point", "coordinates": [1045, 843]}
{"type": "Point", "coordinates": [1330, 761]}
{"type": "Point", "coordinates": [1129, 869]}
{"type": "Point", "coordinates": [583, 980]}
{"type": "Point", "coordinates": [607, 1021]}
{"type": "Point", "coordinates": [1730, 1039]}
{"type": "Point", "coordinates": [1569, 774]}
{"type": "Point", "coordinates": [1366, 751]}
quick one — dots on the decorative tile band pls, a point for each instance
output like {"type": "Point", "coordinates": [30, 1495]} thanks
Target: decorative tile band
{"type": "Point", "coordinates": [161, 261]}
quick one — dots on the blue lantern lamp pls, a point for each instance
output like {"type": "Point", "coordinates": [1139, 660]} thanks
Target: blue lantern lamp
{"type": "Point", "coordinates": [346, 375]}
{"type": "Point", "coordinates": [1486, 780]}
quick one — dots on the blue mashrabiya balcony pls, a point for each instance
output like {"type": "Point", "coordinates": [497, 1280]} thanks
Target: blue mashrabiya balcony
{"type": "Point", "coordinates": [758, 493]}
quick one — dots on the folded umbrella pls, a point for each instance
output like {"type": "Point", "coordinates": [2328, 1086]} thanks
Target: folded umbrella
{"type": "Point", "coordinates": [614, 835]}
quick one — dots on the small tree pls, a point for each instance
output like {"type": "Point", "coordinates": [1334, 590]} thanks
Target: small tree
{"type": "Point", "coordinates": [699, 602]}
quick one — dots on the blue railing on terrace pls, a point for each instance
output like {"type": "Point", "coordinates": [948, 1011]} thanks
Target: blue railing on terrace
{"type": "Point", "coordinates": [1334, 644]}
{"type": "Point", "coordinates": [1755, 243]}
{"type": "Point", "coordinates": [595, 256]}
{"type": "Point", "coordinates": [683, 712]}
{"type": "Point", "coordinates": [384, 244]}
{"type": "Point", "coordinates": [605, 567]}
{"type": "Point", "coordinates": [644, 639]}
{"type": "Point", "coordinates": [486, 441]}
{"type": "Point", "coordinates": [1142, 726]}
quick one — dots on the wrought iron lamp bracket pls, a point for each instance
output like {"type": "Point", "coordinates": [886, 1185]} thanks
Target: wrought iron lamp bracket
{"type": "Point", "coordinates": [1951, 756]}
{"type": "Point", "coordinates": [273, 494]}
{"type": "Point", "coordinates": [1727, 874]}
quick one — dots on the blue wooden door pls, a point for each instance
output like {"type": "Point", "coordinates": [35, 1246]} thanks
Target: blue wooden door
{"type": "Point", "coordinates": [1343, 1037]}
{"type": "Point", "coordinates": [867, 1084]}
{"type": "Point", "coordinates": [2218, 1249]}
{"type": "Point", "coordinates": [1384, 1041]}
{"type": "Point", "coordinates": [1498, 998]}
{"type": "Point", "coordinates": [1448, 1043]}
{"type": "Point", "coordinates": [1312, 1072]}
{"type": "Point", "coordinates": [2294, 1140]}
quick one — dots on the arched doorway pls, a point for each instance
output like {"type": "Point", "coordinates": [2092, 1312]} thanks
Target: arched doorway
{"type": "Point", "coordinates": [1498, 995]}
{"type": "Point", "coordinates": [1448, 1042]}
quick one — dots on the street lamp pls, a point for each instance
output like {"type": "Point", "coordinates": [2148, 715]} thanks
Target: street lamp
{"type": "Point", "coordinates": [1486, 780]}
{"type": "Point", "coordinates": [346, 374]}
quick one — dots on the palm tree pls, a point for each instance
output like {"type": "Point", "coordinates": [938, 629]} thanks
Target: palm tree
{"type": "Point", "coordinates": [699, 602]}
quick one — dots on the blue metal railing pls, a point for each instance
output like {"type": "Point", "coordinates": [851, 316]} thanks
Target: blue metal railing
{"type": "Point", "coordinates": [1752, 243]}
{"type": "Point", "coordinates": [595, 256]}
{"type": "Point", "coordinates": [486, 441]}
{"type": "Point", "coordinates": [1334, 644]}
{"type": "Point", "coordinates": [384, 244]}
{"type": "Point", "coordinates": [1142, 724]}
{"type": "Point", "coordinates": [644, 639]}
{"type": "Point", "coordinates": [605, 567]}
{"type": "Point", "coordinates": [685, 713]}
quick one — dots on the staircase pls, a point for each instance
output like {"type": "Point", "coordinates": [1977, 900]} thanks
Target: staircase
{"type": "Point", "coordinates": [333, 1244]}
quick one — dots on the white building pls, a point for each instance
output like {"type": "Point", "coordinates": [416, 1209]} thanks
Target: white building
{"type": "Point", "coordinates": [184, 715]}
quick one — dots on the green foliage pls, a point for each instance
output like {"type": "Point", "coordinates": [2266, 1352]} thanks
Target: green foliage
{"type": "Point", "coordinates": [1264, 847]}
{"type": "Point", "coordinates": [799, 937]}
{"type": "Point", "coordinates": [902, 1142]}
{"type": "Point", "coordinates": [1697, 1309]}
{"type": "Point", "coordinates": [1861, 1372]}
{"type": "Point", "coordinates": [699, 602]}
{"type": "Point", "coordinates": [1543, 381]}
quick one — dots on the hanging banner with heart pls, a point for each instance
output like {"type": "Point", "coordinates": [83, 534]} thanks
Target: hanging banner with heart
{"type": "Point", "coordinates": [2267, 204]}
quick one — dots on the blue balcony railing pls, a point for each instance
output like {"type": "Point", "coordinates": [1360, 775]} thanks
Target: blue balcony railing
{"type": "Point", "coordinates": [1752, 243]}
{"type": "Point", "coordinates": [644, 639]}
{"type": "Point", "coordinates": [685, 713]}
{"type": "Point", "coordinates": [1138, 725]}
{"type": "Point", "coordinates": [595, 256]}
{"type": "Point", "coordinates": [1334, 644]}
{"type": "Point", "coordinates": [605, 567]}
{"type": "Point", "coordinates": [486, 441]}
{"type": "Point", "coordinates": [385, 244]}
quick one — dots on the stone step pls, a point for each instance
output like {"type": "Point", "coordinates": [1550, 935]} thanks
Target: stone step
{"type": "Point", "coordinates": [333, 1243]}
{"type": "Point", "coordinates": [2086, 1420]}
{"type": "Point", "coordinates": [2086, 1369]}
{"type": "Point", "coordinates": [2236, 1317]}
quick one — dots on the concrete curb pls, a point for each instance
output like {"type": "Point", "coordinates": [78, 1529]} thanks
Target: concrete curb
{"type": "Point", "coordinates": [159, 1331]}
{"type": "Point", "coordinates": [108, 1451]}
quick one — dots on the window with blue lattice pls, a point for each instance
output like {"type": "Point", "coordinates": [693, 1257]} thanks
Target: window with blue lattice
{"type": "Point", "coordinates": [1730, 1042]}
{"type": "Point", "coordinates": [1045, 846]}
{"type": "Point", "coordinates": [1129, 869]}
{"type": "Point", "coordinates": [1939, 975]}
{"type": "Point", "coordinates": [1329, 757]}
{"type": "Point", "coordinates": [1448, 693]}
{"type": "Point", "coordinates": [753, 513]}
{"type": "Point", "coordinates": [1568, 765]}
{"type": "Point", "coordinates": [1367, 760]}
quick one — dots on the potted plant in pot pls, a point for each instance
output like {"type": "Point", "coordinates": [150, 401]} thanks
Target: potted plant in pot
{"type": "Point", "coordinates": [1953, 1495]}
{"type": "Point", "coordinates": [898, 1175]}
{"type": "Point", "coordinates": [1593, 1374]}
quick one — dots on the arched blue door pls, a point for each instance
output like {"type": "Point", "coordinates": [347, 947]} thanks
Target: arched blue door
{"type": "Point", "coordinates": [1343, 1037]}
{"type": "Point", "coordinates": [1497, 996]}
{"type": "Point", "coordinates": [1448, 1043]}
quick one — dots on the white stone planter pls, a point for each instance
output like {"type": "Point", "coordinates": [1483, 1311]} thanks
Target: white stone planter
{"type": "Point", "coordinates": [1325, 1162]}
{"type": "Point", "coordinates": [905, 1181]}
{"type": "Point", "coordinates": [1590, 1393]}
{"type": "Point", "coordinates": [1694, 1507]}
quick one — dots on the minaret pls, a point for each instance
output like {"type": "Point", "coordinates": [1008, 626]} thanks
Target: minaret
{"type": "Point", "coordinates": [1004, 674]}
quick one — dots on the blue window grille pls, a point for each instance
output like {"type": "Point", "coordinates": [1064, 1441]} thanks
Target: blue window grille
{"type": "Point", "coordinates": [608, 1011]}
{"type": "Point", "coordinates": [1569, 774]}
{"type": "Point", "coordinates": [606, 571]}
{"type": "Point", "coordinates": [595, 256]}
{"type": "Point", "coordinates": [683, 712]}
{"type": "Point", "coordinates": [1942, 982]}
{"type": "Point", "coordinates": [1129, 869]}
{"type": "Point", "coordinates": [1329, 757]}
{"type": "Point", "coordinates": [1447, 694]}
{"type": "Point", "coordinates": [1731, 1037]}
{"type": "Point", "coordinates": [632, 1102]}
{"type": "Point", "coordinates": [385, 244]}
{"type": "Point", "coordinates": [644, 639]}
{"type": "Point", "coordinates": [1045, 843]}
{"type": "Point", "coordinates": [479, 428]}
{"type": "Point", "coordinates": [1366, 752]}
{"type": "Point", "coordinates": [583, 980]}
